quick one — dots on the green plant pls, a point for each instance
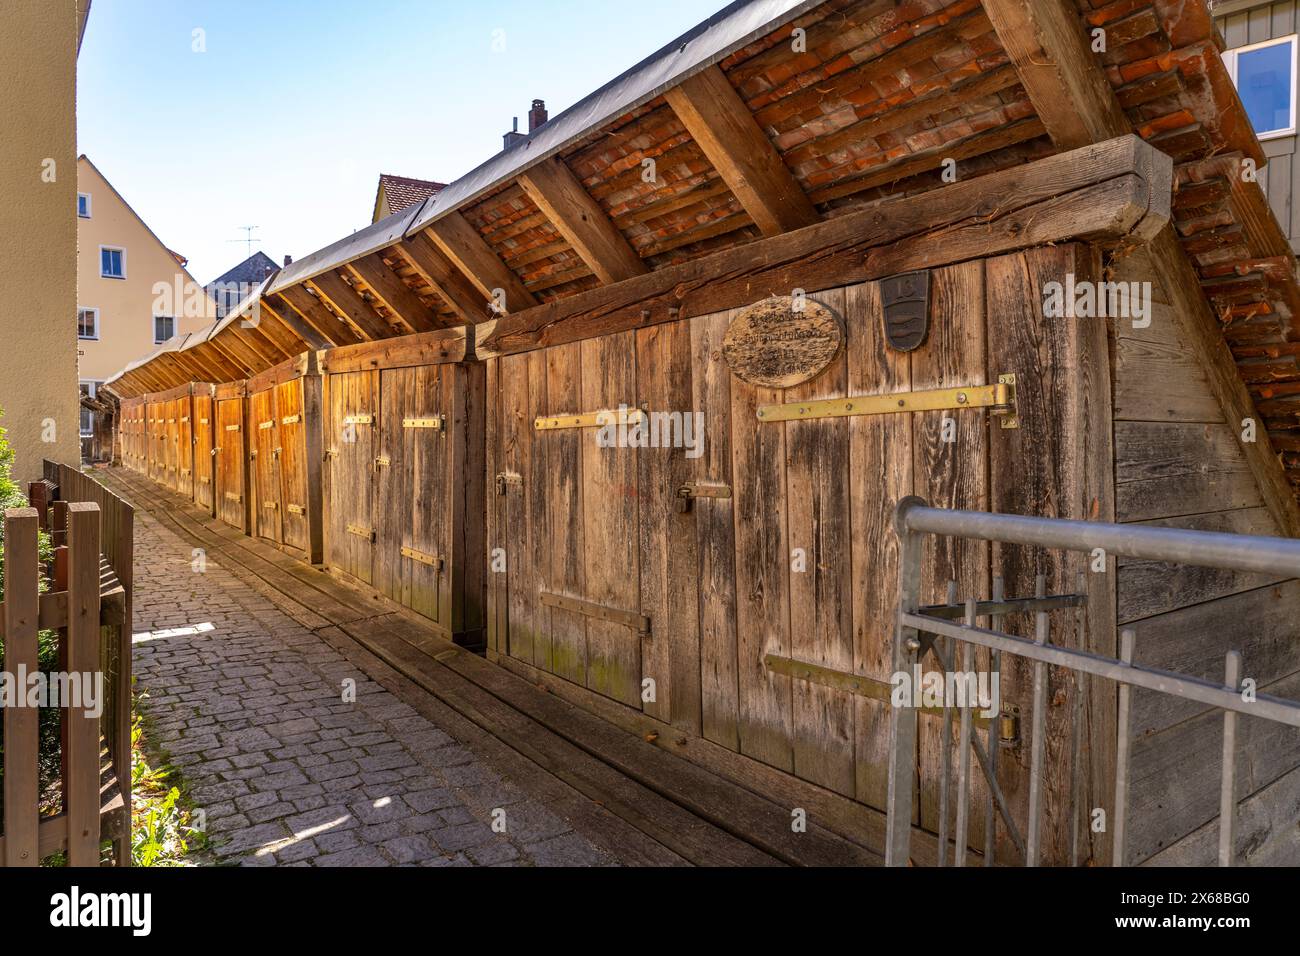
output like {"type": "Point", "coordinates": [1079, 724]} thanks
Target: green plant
{"type": "Point", "coordinates": [161, 830]}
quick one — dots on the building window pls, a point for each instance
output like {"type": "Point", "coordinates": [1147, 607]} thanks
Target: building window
{"type": "Point", "coordinates": [1265, 76]}
{"type": "Point", "coordinates": [83, 205]}
{"type": "Point", "coordinates": [164, 327]}
{"type": "Point", "coordinates": [88, 390]}
{"type": "Point", "coordinates": [112, 262]}
{"type": "Point", "coordinates": [88, 323]}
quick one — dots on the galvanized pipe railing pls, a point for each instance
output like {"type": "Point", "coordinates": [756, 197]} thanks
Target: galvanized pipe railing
{"type": "Point", "coordinates": [915, 518]}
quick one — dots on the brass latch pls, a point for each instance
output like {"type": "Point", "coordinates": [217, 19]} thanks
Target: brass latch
{"type": "Point", "coordinates": [275, 452]}
{"type": "Point", "coordinates": [359, 420]}
{"type": "Point", "coordinates": [692, 490]}
{"type": "Point", "coordinates": [291, 420]}
{"type": "Point", "coordinates": [436, 422]}
{"type": "Point", "coordinates": [383, 461]}
{"type": "Point", "coordinates": [999, 399]}
{"type": "Point", "coordinates": [507, 478]}
{"type": "Point", "coordinates": [1009, 727]}
{"type": "Point", "coordinates": [433, 560]}
{"type": "Point", "coordinates": [360, 532]}
{"type": "Point", "coordinates": [232, 428]}
{"type": "Point", "coordinates": [295, 509]}
{"type": "Point", "coordinates": [263, 426]}
{"type": "Point", "coordinates": [232, 496]}
{"type": "Point", "coordinates": [214, 451]}
{"type": "Point", "coordinates": [270, 504]}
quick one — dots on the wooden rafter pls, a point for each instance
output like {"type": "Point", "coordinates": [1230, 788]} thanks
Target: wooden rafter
{"type": "Point", "coordinates": [452, 286]}
{"type": "Point", "coordinates": [387, 286]}
{"type": "Point", "coordinates": [320, 318]}
{"type": "Point", "coordinates": [273, 328]}
{"type": "Point", "coordinates": [579, 218]}
{"type": "Point", "coordinates": [291, 320]}
{"type": "Point", "coordinates": [720, 122]}
{"type": "Point", "coordinates": [461, 243]}
{"type": "Point", "coordinates": [349, 303]}
{"type": "Point", "coordinates": [1049, 49]}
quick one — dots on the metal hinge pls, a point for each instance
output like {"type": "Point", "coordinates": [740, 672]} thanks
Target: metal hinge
{"type": "Point", "coordinates": [263, 426]}
{"type": "Point", "coordinates": [295, 509]}
{"type": "Point", "coordinates": [508, 478]}
{"type": "Point", "coordinates": [291, 420]}
{"type": "Point", "coordinates": [360, 532]}
{"type": "Point", "coordinates": [433, 560]}
{"type": "Point", "coordinates": [232, 496]}
{"type": "Point", "coordinates": [597, 419]}
{"type": "Point", "coordinates": [633, 619]}
{"type": "Point", "coordinates": [273, 505]}
{"type": "Point", "coordinates": [999, 399]}
{"type": "Point", "coordinates": [383, 461]}
{"type": "Point", "coordinates": [691, 490]}
{"type": "Point", "coordinates": [359, 420]}
{"type": "Point", "coordinates": [232, 428]}
{"type": "Point", "coordinates": [437, 422]}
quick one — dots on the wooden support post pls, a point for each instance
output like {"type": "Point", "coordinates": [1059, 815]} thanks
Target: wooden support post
{"type": "Point", "coordinates": [21, 724]}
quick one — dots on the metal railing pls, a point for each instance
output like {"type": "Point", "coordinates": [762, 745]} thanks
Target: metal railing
{"type": "Point", "coordinates": [920, 630]}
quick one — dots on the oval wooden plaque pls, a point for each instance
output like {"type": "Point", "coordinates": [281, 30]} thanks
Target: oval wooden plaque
{"type": "Point", "coordinates": [773, 345]}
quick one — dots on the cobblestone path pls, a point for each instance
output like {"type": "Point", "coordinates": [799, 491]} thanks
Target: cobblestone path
{"type": "Point", "coordinates": [250, 706]}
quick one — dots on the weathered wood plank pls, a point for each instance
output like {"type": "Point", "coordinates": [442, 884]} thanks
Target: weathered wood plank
{"type": "Point", "coordinates": [1168, 469]}
{"type": "Point", "coordinates": [21, 729]}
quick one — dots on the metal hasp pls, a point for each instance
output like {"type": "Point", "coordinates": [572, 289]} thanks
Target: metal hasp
{"type": "Point", "coordinates": [999, 399]}
{"type": "Point", "coordinates": [692, 489]}
{"type": "Point", "coordinates": [632, 619]}
{"type": "Point", "coordinates": [433, 560]}
{"type": "Point", "coordinates": [949, 629]}
{"type": "Point", "coordinates": [505, 479]}
{"type": "Point", "coordinates": [436, 422]}
{"type": "Point", "coordinates": [597, 419]}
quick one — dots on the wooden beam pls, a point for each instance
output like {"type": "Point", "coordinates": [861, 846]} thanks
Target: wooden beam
{"type": "Point", "coordinates": [314, 312]}
{"type": "Point", "coordinates": [257, 340]}
{"type": "Point", "coordinates": [720, 122]}
{"type": "Point", "coordinates": [349, 303]}
{"type": "Point", "coordinates": [295, 323]}
{"type": "Point", "coordinates": [579, 218]}
{"type": "Point", "coordinates": [396, 295]}
{"type": "Point", "coordinates": [1049, 49]}
{"type": "Point", "coordinates": [223, 347]}
{"type": "Point", "coordinates": [272, 328]}
{"type": "Point", "coordinates": [1108, 191]}
{"type": "Point", "coordinates": [432, 265]}
{"type": "Point", "coordinates": [461, 243]}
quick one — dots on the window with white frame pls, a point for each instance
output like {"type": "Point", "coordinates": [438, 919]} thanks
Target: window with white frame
{"type": "Point", "coordinates": [164, 327]}
{"type": "Point", "coordinates": [83, 205]}
{"type": "Point", "coordinates": [1265, 76]}
{"type": "Point", "coordinates": [112, 262]}
{"type": "Point", "coordinates": [88, 323]}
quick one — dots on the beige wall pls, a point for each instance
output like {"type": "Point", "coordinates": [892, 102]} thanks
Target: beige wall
{"type": "Point", "coordinates": [38, 233]}
{"type": "Point", "coordinates": [126, 306]}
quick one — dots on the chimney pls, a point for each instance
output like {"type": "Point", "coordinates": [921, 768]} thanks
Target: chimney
{"type": "Point", "coordinates": [537, 115]}
{"type": "Point", "coordinates": [288, 260]}
{"type": "Point", "coordinates": [514, 136]}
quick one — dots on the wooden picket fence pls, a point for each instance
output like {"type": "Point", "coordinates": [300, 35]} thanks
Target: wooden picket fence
{"type": "Point", "coordinates": [88, 603]}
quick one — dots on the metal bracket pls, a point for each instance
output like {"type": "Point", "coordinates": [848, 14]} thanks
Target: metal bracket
{"type": "Point", "coordinates": [273, 505]}
{"type": "Point", "coordinates": [232, 428]}
{"type": "Point", "coordinates": [359, 420]}
{"type": "Point", "coordinates": [633, 619]}
{"type": "Point", "coordinates": [597, 419]}
{"type": "Point", "coordinates": [263, 426]}
{"type": "Point", "coordinates": [436, 422]}
{"type": "Point", "coordinates": [383, 461]}
{"type": "Point", "coordinates": [507, 478]}
{"type": "Point", "coordinates": [295, 509]}
{"type": "Point", "coordinates": [291, 420]}
{"type": "Point", "coordinates": [433, 560]}
{"type": "Point", "coordinates": [360, 532]}
{"type": "Point", "coordinates": [1000, 399]}
{"type": "Point", "coordinates": [691, 490]}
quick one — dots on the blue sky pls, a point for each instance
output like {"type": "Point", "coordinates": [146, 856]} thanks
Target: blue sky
{"type": "Point", "coordinates": [296, 106]}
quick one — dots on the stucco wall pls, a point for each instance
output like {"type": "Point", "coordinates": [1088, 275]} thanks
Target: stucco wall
{"type": "Point", "coordinates": [38, 232]}
{"type": "Point", "coordinates": [127, 306]}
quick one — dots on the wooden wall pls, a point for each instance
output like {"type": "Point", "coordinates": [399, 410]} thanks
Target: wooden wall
{"type": "Point", "coordinates": [720, 583]}
{"type": "Point", "coordinates": [232, 492]}
{"type": "Point", "coordinates": [1179, 464]}
{"type": "Point", "coordinates": [203, 416]}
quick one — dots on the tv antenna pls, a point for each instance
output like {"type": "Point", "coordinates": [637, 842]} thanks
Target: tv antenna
{"type": "Point", "coordinates": [248, 238]}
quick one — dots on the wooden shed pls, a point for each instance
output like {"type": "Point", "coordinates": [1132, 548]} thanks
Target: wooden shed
{"type": "Point", "coordinates": [635, 403]}
{"type": "Point", "coordinates": [403, 479]}
{"type": "Point", "coordinates": [284, 437]}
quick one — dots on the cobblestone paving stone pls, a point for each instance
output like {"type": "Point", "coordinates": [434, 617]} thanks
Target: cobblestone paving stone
{"type": "Point", "coordinates": [249, 705]}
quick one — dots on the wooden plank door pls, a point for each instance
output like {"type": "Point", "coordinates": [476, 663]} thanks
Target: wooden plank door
{"type": "Point", "coordinates": [203, 458]}
{"type": "Point", "coordinates": [231, 488]}
{"type": "Point", "coordinates": [264, 452]}
{"type": "Point", "coordinates": [185, 446]}
{"type": "Point", "coordinates": [354, 410]}
{"type": "Point", "coordinates": [292, 428]}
